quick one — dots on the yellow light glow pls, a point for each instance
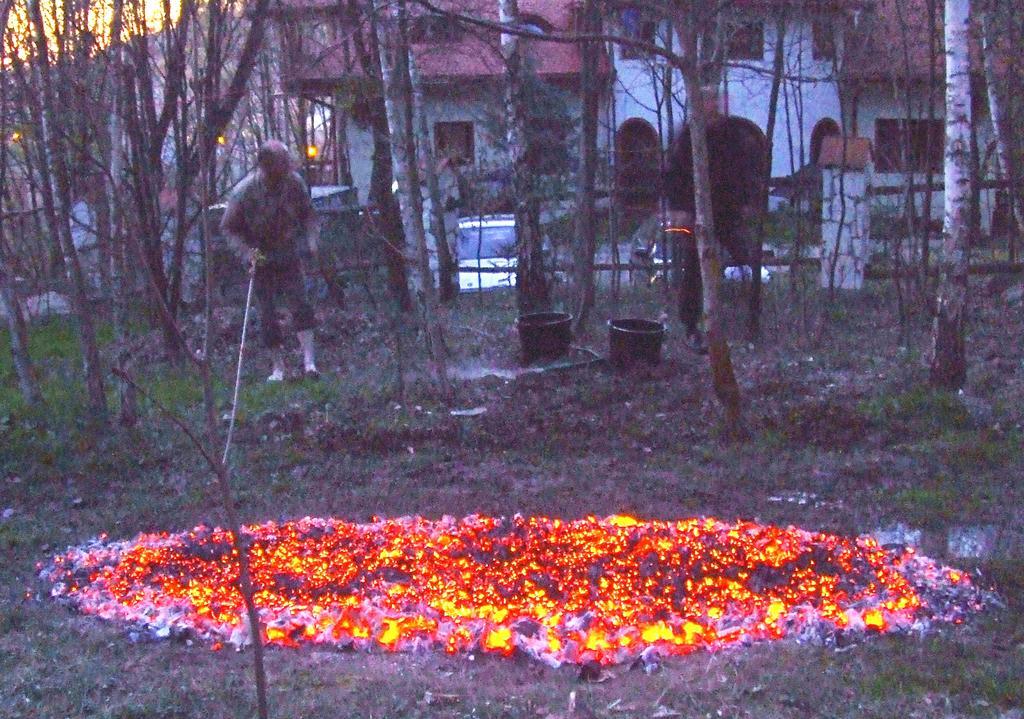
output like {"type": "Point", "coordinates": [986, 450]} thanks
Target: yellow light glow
{"type": "Point", "coordinates": [312, 151]}
{"type": "Point", "coordinates": [221, 140]}
{"type": "Point", "coordinates": [564, 591]}
{"type": "Point", "coordinates": [15, 136]}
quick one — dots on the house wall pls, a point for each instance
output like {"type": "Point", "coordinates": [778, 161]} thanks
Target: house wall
{"type": "Point", "coordinates": [483, 104]}
{"type": "Point", "coordinates": [745, 92]}
{"type": "Point", "coordinates": [881, 101]}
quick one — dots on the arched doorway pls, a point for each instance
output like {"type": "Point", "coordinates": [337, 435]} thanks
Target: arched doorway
{"type": "Point", "coordinates": [637, 175]}
{"type": "Point", "coordinates": [825, 128]}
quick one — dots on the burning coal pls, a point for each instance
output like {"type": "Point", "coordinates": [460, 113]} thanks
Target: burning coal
{"type": "Point", "coordinates": [603, 590]}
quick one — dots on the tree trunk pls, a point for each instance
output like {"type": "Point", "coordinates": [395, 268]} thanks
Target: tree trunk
{"type": "Point", "coordinates": [382, 173]}
{"type": "Point", "coordinates": [586, 225]}
{"type": "Point", "coordinates": [91, 367]}
{"type": "Point", "coordinates": [778, 69]}
{"type": "Point", "coordinates": [1004, 147]}
{"type": "Point", "coordinates": [128, 406]}
{"type": "Point", "coordinates": [722, 375]}
{"type": "Point", "coordinates": [394, 58]}
{"type": "Point", "coordinates": [531, 285]}
{"type": "Point", "coordinates": [8, 297]}
{"type": "Point", "coordinates": [448, 286]}
{"type": "Point", "coordinates": [948, 357]}
{"type": "Point", "coordinates": [926, 211]}
{"type": "Point", "coordinates": [19, 347]}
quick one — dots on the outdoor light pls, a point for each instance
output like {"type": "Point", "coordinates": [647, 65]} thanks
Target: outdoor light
{"type": "Point", "coordinates": [312, 151]}
{"type": "Point", "coordinates": [15, 136]}
{"type": "Point", "coordinates": [221, 140]}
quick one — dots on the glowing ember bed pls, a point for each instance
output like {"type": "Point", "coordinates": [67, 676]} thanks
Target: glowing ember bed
{"type": "Point", "coordinates": [604, 590]}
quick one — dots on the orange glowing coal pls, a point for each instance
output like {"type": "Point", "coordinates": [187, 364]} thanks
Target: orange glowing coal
{"type": "Point", "coordinates": [602, 590]}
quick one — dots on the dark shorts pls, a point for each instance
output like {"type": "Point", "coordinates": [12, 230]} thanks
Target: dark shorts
{"type": "Point", "coordinates": [286, 281]}
{"type": "Point", "coordinates": [734, 237]}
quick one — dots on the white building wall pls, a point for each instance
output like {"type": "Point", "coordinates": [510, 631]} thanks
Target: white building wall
{"type": "Point", "coordinates": [745, 93]}
{"type": "Point", "coordinates": [478, 103]}
{"type": "Point", "coordinates": [881, 101]}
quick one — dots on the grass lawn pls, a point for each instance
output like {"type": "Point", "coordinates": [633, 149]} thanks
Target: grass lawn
{"type": "Point", "coordinates": [839, 414]}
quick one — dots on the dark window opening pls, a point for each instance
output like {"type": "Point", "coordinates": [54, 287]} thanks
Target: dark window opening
{"type": "Point", "coordinates": [823, 41]}
{"type": "Point", "coordinates": [636, 26]}
{"type": "Point", "coordinates": [747, 41]}
{"type": "Point", "coordinates": [455, 140]}
{"type": "Point", "coordinates": [909, 145]}
{"type": "Point", "coordinates": [426, 29]}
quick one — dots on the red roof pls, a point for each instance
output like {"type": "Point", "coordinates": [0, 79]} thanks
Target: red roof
{"type": "Point", "coordinates": [890, 41]}
{"type": "Point", "coordinates": [475, 55]}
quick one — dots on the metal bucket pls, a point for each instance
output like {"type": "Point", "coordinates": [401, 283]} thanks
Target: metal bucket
{"type": "Point", "coordinates": [634, 340]}
{"type": "Point", "coordinates": [544, 335]}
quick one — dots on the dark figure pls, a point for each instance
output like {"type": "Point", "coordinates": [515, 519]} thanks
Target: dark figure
{"type": "Point", "coordinates": [269, 213]}
{"type": "Point", "coordinates": [736, 155]}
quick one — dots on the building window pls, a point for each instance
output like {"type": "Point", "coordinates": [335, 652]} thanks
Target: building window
{"type": "Point", "coordinates": [434, 29]}
{"type": "Point", "coordinates": [747, 41]}
{"type": "Point", "coordinates": [823, 40]}
{"type": "Point", "coordinates": [909, 145]}
{"type": "Point", "coordinates": [455, 140]}
{"type": "Point", "coordinates": [636, 26]}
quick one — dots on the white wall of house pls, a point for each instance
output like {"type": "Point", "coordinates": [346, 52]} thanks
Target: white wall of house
{"type": "Point", "coordinates": [479, 103]}
{"type": "Point", "coordinates": [745, 91]}
{"type": "Point", "coordinates": [887, 102]}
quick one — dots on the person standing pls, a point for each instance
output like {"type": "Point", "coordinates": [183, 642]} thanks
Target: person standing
{"type": "Point", "coordinates": [268, 214]}
{"type": "Point", "coordinates": [737, 176]}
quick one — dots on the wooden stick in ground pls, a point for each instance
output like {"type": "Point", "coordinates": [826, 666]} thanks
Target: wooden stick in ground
{"type": "Point", "coordinates": [220, 470]}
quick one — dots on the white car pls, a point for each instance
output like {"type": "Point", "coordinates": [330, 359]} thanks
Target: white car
{"type": "Point", "coordinates": [487, 245]}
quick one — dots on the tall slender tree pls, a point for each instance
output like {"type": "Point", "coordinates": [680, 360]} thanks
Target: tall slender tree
{"type": "Point", "coordinates": [392, 37]}
{"type": "Point", "coordinates": [586, 176]}
{"type": "Point", "coordinates": [948, 353]}
{"type": "Point", "coordinates": [532, 290]}
{"type": "Point", "coordinates": [693, 25]}
{"type": "Point", "coordinates": [53, 126]}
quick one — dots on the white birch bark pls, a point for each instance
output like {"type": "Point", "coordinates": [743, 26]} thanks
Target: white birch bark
{"type": "Point", "coordinates": [398, 103]}
{"type": "Point", "coordinates": [438, 229]}
{"type": "Point", "coordinates": [948, 356]}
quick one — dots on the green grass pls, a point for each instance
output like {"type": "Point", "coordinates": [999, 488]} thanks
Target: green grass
{"type": "Point", "coordinates": [567, 444]}
{"type": "Point", "coordinates": [917, 413]}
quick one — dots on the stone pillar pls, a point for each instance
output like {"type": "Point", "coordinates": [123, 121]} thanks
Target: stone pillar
{"type": "Point", "coordinates": [845, 219]}
{"type": "Point", "coordinates": [845, 216]}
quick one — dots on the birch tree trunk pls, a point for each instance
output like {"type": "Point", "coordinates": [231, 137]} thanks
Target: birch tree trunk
{"type": "Point", "coordinates": [447, 272]}
{"type": "Point", "coordinates": [586, 226]}
{"type": "Point", "coordinates": [1007, 162]}
{"type": "Point", "coordinates": [394, 57]}
{"type": "Point", "coordinates": [948, 356]}
{"type": "Point", "coordinates": [54, 153]}
{"type": "Point", "coordinates": [531, 286]}
{"type": "Point", "coordinates": [128, 406]}
{"type": "Point", "coordinates": [723, 377]}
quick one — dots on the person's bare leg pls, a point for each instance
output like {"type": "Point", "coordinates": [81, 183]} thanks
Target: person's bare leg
{"type": "Point", "coordinates": [308, 351]}
{"type": "Point", "coordinates": [277, 372]}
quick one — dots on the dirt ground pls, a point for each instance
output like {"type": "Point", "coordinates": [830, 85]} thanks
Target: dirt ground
{"type": "Point", "coordinates": [845, 436]}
